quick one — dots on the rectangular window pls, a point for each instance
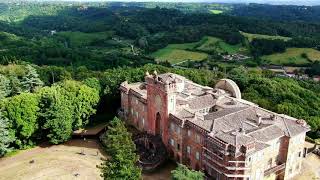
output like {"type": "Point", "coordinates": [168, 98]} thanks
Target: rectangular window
{"type": "Point", "coordinates": [132, 111]}
{"type": "Point", "coordinates": [188, 149]}
{"type": "Point", "coordinates": [137, 101]}
{"type": "Point", "coordinates": [299, 154]}
{"type": "Point", "coordinates": [189, 132]}
{"type": "Point", "coordinates": [172, 142]}
{"type": "Point", "coordinates": [172, 127]}
{"type": "Point", "coordinates": [178, 147]}
{"type": "Point", "coordinates": [142, 121]}
{"type": "Point", "coordinates": [198, 138]}
{"type": "Point", "coordinates": [197, 155]}
{"type": "Point", "coordinates": [137, 114]}
{"type": "Point", "coordinates": [178, 130]}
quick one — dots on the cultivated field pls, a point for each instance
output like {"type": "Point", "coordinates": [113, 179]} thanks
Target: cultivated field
{"type": "Point", "coordinates": [293, 56]}
{"type": "Point", "coordinates": [54, 162]}
{"type": "Point", "coordinates": [214, 11]}
{"type": "Point", "coordinates": [178, 55]}
{"type": "Point", "coordinates": [218, 45]}
{"type": "Point", "coordinates": [175, 53]}
{"type": "Point", "coordinates": [250, 37]}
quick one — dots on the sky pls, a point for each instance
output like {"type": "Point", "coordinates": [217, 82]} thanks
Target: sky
{"type": "Point", "coordinates": [295, 2]}
{"type": "Point", "coordinates": [286, 2]}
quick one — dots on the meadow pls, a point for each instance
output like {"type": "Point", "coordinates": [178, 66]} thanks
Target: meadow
{"type": "Point", "coordinates": [214, 11]}
{"type": "Point", "coordinates": [77, 38]}
{"type": "Point", "coordinates": [218, 45]}
{"type": "Point", "coordinates": [196, 51]}
{"type": "Point", "coordinates": [178, 55]}
{"type": "Point", "coordinates": [251, 37]}
{"type": "Point", "coordinates": [293, 56]}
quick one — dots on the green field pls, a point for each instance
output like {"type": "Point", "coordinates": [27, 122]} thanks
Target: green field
{"type": "Point", "coordinates": [214, 11]}
{"type": "Point", "coordinates": [84, 39]}
{"type": "Point", "coordinates": [293, 56]}
{"type": "Point", "coordinates": [250, 37]}
{"type": "Point", "coordinates": [218, 45]}
{"type": "Point", "coordinates": [183, 46]}
{"type": "Point", "coordinates": [175, 53]}
{"type": "Point", "coordinates": [178, 55]}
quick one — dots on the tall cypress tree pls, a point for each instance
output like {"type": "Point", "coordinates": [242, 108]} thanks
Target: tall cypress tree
{"type": "Point", "coordinates": [121, 149]}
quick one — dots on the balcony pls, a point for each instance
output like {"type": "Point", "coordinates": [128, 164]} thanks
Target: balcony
{"type": "Point", "coordinates": [276, 169]}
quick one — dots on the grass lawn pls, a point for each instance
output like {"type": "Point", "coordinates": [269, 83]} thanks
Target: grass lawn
{"type": "Point", "coordinates": [218, 45]}
{"type": "Point", "coordinates": [293, 56]}
{"type": "Point", "coordinates": [250, 37]}
{"type": "Point", "coordinates": [214, 11]}
{"type": "Point", "coordinates": [84, 39]}
{"type": "Point", "coordinates": [178, 55]}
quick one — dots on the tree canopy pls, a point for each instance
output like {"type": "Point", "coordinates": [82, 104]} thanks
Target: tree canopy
{"type": "Point", "coordinates": [183, 173]}
{"type": "Point", "coordinates": [121, 149]}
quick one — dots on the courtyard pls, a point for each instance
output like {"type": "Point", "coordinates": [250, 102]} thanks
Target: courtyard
{"type": "Point", "coordinates": [75, 159]}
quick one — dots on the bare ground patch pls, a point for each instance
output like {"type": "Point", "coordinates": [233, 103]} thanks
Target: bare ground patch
{"type": "Point", "coordinates": [310, 168]}
{"type": "Point", "coordinates": [55, 162]}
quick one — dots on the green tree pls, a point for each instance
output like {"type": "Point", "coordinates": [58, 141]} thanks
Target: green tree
{"type": "Point", "coordinates": [56, 114]}
{"type": "Point", "coordinates": [5, 88]}
{"type": "Point", "coordinates": [31, 80]}
{"type": "Point", "coordinates": [22, 111]}
{"type": "Point", "coordinates": [93, 83]}
{"type": "Point", "coordinates": [16, 87]}
{"type": "Point", "coordinates": [83, 99]}
{"type": "Point", "coordinates": [183, 173]}
{"type": "Point", "coordinates": [121, 149]}
{"type": "Point", "coordinates": [6, 137]}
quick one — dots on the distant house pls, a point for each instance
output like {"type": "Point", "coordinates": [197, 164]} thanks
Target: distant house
{"type": "Point", "coordinates": [278, 70]}
{"type": "Point", "coordinates": [316, 78]}
{"type": "Point", "coordinates": [53, 32]}
{"type": "Point", "coordinates": [235, 57]}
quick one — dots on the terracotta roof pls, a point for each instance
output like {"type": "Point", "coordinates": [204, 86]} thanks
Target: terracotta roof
{"type": "Point", "coordinates": [170, 78]}
{"type": "Point", "coordinates": [267, 134]}
{"type": "Point", "coordinates": [235, 138]}
{"type": "Point", "coordinates": [202, 102]}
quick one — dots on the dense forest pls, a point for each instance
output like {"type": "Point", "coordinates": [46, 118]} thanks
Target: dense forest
{"type": "Point", "coordinates": [279, 12]}
{"type": "Point", "coordinates": [124, 36]}
{"type": "Point", "coordinates": [61, 65]}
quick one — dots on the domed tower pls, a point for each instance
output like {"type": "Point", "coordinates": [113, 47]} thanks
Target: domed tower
{"type": "Point", "coordinates": [229, 86]}
{"type": "Point", "coordinates": [161, 93]}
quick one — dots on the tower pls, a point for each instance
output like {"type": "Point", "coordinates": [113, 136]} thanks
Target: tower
{"type": "Point", "coordinates": [161, 93]}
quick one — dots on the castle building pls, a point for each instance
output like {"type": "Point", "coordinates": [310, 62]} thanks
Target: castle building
{"type": "Point", "coordinates": [213, 129]}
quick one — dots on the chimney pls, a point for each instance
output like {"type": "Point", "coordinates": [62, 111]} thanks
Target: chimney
{"type": "Point", "coordinates": [259, 118]}
{"type": "Point", "coordinates": [242, 131]}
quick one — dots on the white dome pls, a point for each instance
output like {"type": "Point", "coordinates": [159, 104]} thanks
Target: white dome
{"type": "Point", "coordinates": [230, 86]}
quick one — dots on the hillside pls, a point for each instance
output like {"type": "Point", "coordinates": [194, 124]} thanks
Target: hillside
{"type": "Point", "coordinates": [251, 37]}
{"type": "Point", "coordinates": [197, 51]}
{"type": "Point", "coordinates": [294, 56]}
